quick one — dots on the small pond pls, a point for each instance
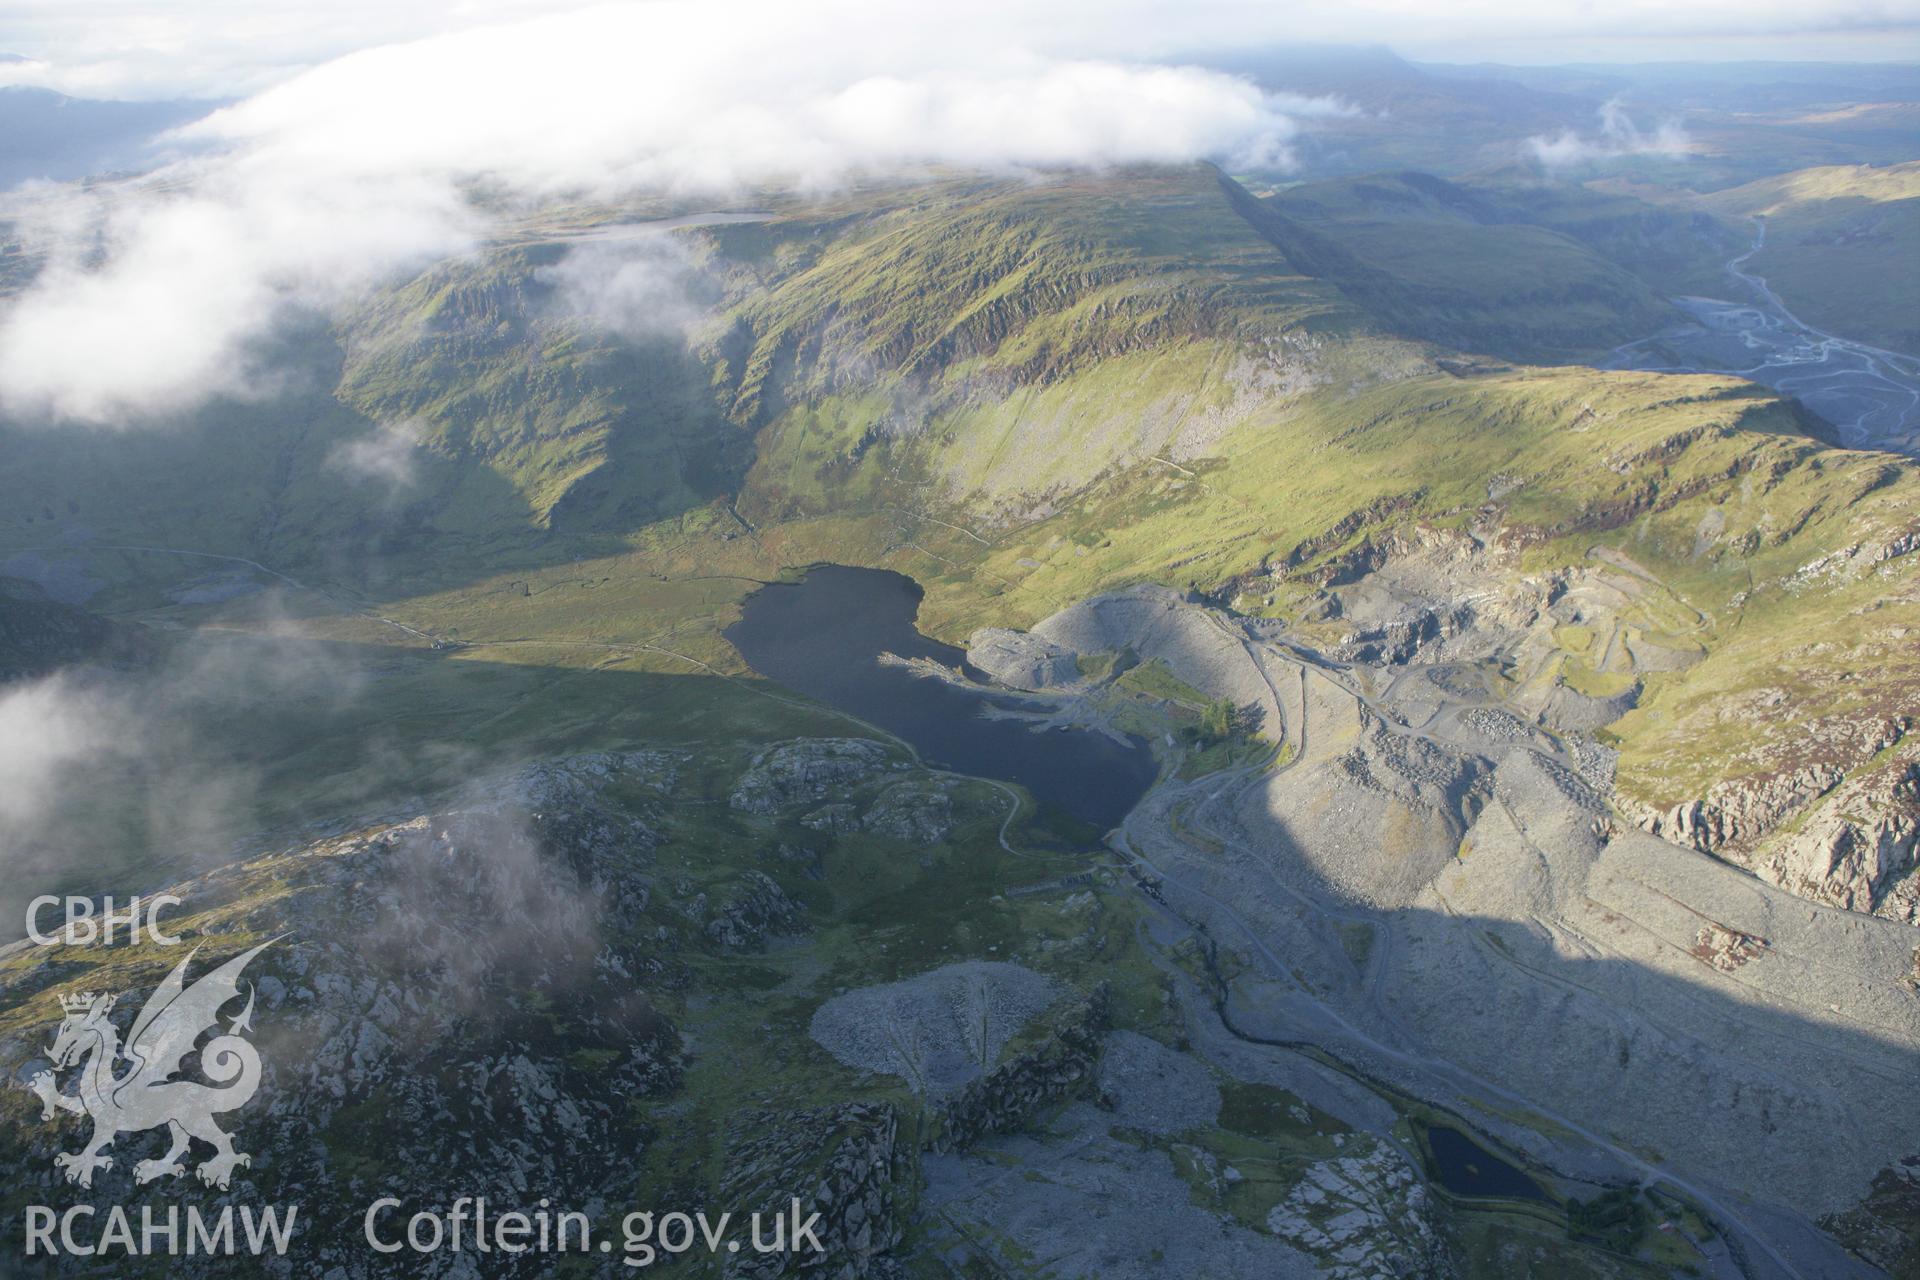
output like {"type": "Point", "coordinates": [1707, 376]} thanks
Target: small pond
{"type": "Point", "coordinates": [1468, 1169]}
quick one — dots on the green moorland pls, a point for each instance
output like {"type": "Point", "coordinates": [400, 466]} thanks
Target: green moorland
{"type": "Point", "coordinates": [1532, 271]}
{"type": "Point", "coordinates": [1019, 393]}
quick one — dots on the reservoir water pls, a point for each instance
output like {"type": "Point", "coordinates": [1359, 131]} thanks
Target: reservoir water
{"type": "Point", "coordinates": [823, 636]}
{"type": "Point", "coordinates": [1468, 1169]}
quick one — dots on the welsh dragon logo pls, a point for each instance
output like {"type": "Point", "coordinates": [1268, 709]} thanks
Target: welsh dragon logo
{"type": "Point", "coordinates": [127, 1089]}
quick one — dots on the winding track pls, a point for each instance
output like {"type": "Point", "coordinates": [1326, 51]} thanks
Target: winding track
{"type": "Point", "coordinates": [1138, 830]}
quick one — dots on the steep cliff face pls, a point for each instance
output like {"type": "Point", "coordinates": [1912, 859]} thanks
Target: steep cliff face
{"type": "Point", "coordinates": [849, 1164]}
{"type": "Point", "coordinates": [1847, 838]}
{"type": "Point", "coordinates": [1059, 1067]}
{"type": "Point", "coordinates": [1860, 847]}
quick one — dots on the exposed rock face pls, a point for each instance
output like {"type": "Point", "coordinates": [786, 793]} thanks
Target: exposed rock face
{"type": "Point", "coordinates": [918, 812]}
{"type": "Point", "coordinates": [834, 819]}
{"type": "Point", "coordinates": [845, 1163]}
{"type": "Point", "coordinates": [1738, 813]}
{"type": "Point", "coordinates": [806, 771]}
{"type": "Point", "coordinates": [1367, 1214]}
{"type": "Point", "coordinates": [1885, 1227]}
{"type": "Point", "coordinates": [1402, 637]}
{"type": "Point", "coordinates": [758, 908]}
{"type": "Point", "coordinates": [1060, 1067]}
{"type": "Point", "coordinates": [1419, 594]}
{"type": "Point", "coordinates": [1022, 660]}
{"type": "Point", "coordinates": [1861, 848]}
{"type": "Point", "coordinates": [461, 973]}
{"type": "Point", "coordinates": [1857, 846]}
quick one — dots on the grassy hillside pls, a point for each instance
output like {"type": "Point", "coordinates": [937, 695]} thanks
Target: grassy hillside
{"type": "Point", "coordinates": [1841, 247]}
{"type": "Point", "coordinates": [570, 426]}
{"type": "Point", "coordinates": [1473, 270]}
{"type": "Point", "coordinates": [1671, 250]}
{"type": "Point", "coordinates": [1760, 536]}
{"type": "Point", "coordinates": [1022, 393]}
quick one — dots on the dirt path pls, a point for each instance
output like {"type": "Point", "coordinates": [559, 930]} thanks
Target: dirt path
{"type": "Point", "coordinates": [1150, 839]}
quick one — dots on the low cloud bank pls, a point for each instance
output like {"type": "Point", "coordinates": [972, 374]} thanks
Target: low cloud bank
{"type": "Point", "coordinates": [1618, 136]}
{"type": "Point", "coordinates": [96, 763]}
{"type": "Point", "coordinates": [387, 459]}
{"type": "Point", "coordinates": [156, 293]}
{"type": "Point", "coordinates": [640, 286]}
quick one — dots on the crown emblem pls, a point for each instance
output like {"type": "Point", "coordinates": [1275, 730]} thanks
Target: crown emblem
{"type": "Point", "coordinates": [78, 1002]}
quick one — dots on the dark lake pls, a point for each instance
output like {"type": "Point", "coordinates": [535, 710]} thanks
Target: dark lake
{"type": "Point", "coordinates": [1468, 1169]}
{"type": "Point", "coordinates": [823, 636]}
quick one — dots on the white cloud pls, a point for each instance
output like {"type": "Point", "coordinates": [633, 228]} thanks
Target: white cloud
{"type": "Point", "coordinates": [220, 48]}
{"type": "Point", "coordinates": [638, 285]}
{"type": "Point", "coordinates": [153, 307]}
{"type": "Point", "coordinates": [684, 96]}
{"type": "Point", "coordinates": [388, 458]}
{"type": "Point", "coordinates": [46, 726]}
{"type": "Point", "coordinates": [358, 168]}
{"type": "Point", "coordinates": [161, 731]}
{"type": "Point", "coordinates": [1618, 136]}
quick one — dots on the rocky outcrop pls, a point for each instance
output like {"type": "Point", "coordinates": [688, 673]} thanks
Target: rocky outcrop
{"type": "Point", "coordinates": [1022, 660]}
{"type": "Point", "coordinates": [1735, 815]}
{"type": "Point", "coordinates": [917, 812]}
{"type": "Point", "coordinates": [834, 819]}
{"type": "Point", "coordinates": [1884, 1228]}
{"type": "Point", "coordinates": [469, 971]}
{"type": "Point", "coordinates": [806, 771]}
{"type": "Point", "coordinates": [1860, 849]}
{"type": "Point", "coordinates": [846, 1163]}
{"type": "Point", "coordinates": [757, 907]}
{"type": "Point", "coordinates": [1850, 841]}
{"type": "Point", "coordinates": [1402, 638]}
{"type": "Point", "coordinates": [1059, 1067]}
{"type": "Point", "coordinates": [1366, 1214]}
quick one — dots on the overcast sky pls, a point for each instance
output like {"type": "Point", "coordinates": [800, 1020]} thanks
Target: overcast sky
{"type": "Point", "coordinates": [152, 48]}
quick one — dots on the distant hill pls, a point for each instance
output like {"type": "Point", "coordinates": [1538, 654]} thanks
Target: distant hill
{"type": "Point", "coordinates": [1132, 376]}
{"type": "Point", "coordinates": [1842, 247]}
{"type": "Point", "coordinates": [48, 135]}
{"type": "Point", "coordinates": [1520, 270]}
{"type": "Point", "coordinates": [1744, 120]}
{"type": "Point", "coordinates": [1406, 115]}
